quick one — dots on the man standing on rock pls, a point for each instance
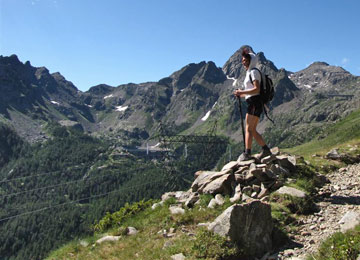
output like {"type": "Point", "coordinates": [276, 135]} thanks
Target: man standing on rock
{"type": "Point", "coordinates": [251, 93]}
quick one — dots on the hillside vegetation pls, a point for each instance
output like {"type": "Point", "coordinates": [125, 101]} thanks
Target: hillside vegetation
{"type": "Point", "coordinates": [161, 234]}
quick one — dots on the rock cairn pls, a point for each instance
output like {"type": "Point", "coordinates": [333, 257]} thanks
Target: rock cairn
{"type": "Point", "coordinates": [248, 221]}
{"type": "Point", "coordinates": [241, 181]}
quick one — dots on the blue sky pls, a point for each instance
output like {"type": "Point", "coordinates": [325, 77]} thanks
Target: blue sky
{"type": "Point", "coordinates": [120, 41]}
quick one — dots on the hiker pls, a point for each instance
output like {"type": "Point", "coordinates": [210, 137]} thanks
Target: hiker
{"type": "Point", "coordinates": [251, 93]}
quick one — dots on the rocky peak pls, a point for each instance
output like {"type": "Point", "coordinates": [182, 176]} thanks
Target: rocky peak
{"type": "Point", "coordinates": [197, 71]}
{"type": "Point", "coordinates": [12, 67]}
{"type": "Point", "coordinates": [100, 89]}
{"type": "Point", "coordinates": [265, 65]}
{"type": "Point", "coordinates": [320, 75]}
{"type": "Point", "coordinates": [183, 77]}
{"type": "Point", "coordinates": [234, 68]}
{"type": "Point", "coordinates": [13, 59]}
{"type": "Point", "coordinates": [211, 73]}
{"type": "Point", "coordinates": [42, 73]}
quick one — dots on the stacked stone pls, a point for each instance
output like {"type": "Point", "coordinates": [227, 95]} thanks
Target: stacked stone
{"type": "Point", "coordinates": [254, 179]}
{"type": "Point", "coordinates": [248, 179]}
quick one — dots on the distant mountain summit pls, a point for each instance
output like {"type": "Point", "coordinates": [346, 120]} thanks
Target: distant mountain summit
{"type": "Point", "coordinates": [320, 75]}
{"type": "Point", "coordinates": [31, 96]}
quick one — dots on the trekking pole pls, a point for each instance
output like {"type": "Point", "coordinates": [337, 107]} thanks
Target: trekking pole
{"type": "Point", "coordinates": [242, 122]}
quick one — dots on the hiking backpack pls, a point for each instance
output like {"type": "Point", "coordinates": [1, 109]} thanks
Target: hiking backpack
{"type": "Point", "coordinates": [266, 90]}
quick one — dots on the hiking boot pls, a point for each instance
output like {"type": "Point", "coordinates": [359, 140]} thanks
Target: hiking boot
{"type": "Point", "coordinates": [244, 157]}
{"type": "Point", "coordinates": [264, 153]}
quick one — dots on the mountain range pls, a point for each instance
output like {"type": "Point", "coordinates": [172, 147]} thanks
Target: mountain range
{"type": "Point", "coordinates": [190, 100]}
{"type": "Point", "coordinates": [72, 165]}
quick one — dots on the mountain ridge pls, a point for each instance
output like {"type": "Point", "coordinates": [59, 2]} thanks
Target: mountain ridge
{"type": "Point", "coordinates": [180, 100]}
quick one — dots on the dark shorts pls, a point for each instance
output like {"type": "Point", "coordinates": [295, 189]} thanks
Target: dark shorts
{"type": "Point", "coordinates": [255, 107]}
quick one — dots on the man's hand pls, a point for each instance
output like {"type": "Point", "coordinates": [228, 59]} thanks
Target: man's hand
{"type": "Point", "coordinates": [238, 93]}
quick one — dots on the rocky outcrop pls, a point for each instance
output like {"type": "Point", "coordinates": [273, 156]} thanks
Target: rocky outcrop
{"type": "Point", "coordinates": [241, 180]}
{"type": "Point", "coordinates": [249, 225]}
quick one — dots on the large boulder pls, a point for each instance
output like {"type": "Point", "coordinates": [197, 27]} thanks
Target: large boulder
{"type": "Point", "coordinates": [248, 225]}
{"type": "Point", "coordinates": [292, 192]}
{"type": "Point", "coordinates": [223, 185]}
{"type": "Point", "coordinates": [210, 182]}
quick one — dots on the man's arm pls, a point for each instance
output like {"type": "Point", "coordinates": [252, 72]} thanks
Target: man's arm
{"type": "Point", "coordinates": [255, 90]}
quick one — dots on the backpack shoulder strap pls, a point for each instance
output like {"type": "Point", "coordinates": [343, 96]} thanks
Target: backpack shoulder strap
{"type": "Point", "coordinates": [250, 74]}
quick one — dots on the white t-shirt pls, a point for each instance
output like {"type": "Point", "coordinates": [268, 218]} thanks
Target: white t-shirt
{"type": "Point", "coordinates": [255, 75]}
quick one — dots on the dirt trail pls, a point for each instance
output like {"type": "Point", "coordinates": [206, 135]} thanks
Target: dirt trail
{"type": "Point", "coordinates": [336, 198]}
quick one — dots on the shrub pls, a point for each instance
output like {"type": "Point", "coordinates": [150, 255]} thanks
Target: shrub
{"type": "Point", "coordinates": [208, 245]}
{"type": "Point", "coordinates": [116, 218]}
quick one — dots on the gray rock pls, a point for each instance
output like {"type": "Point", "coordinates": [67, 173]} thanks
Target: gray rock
{"type": "Point", "coordinates": [291, 191]}
{"type": "Point", "coordinates": [230, 165]}
{"type": "Point", "coordinates": [131, 231]}
{"type": "Point", "coordinates": [178, 257]}
{"type": "Point", "coordinates": [270, 174]}
{"type": "Point", "coordinates": [205, 178]}
{"type": "Point", "coordinates": [158, 204]}
{"type": "Point", "coordinates": [107, 238]}
{"type": "Point", "coordinates": [349, 221]}
{"type": "Point", "coordinates": [219, 199]}
{"type": "Point", "coordinates": [268, 159]}
{"type": "Point", "coordinates": [174, 210]}
{"type": "Point", "coordinates": [278, 170]}
{"type": "Point", "coordinates": [333, 155]}
{"type": "Point", "coordinates": [260, 174]}
{"type": "Point", "coordinates": [238, 188]}
{"type": "Point", "coordinates": [204, 224]}
{"type": "Point", "coordinates": [244, 197]}
{"type": "Point", "coordinates": [212, 204]}
{"type": "Point", "coordinates": [249, 177]}
{"type": "Point", "coordinates": [180, 196]}
{"type": "Point", "coordinates": [275, 150]}
{"type": "Point", "coordinates": [263, 193]}
{"type": "Point", "coordinates": [249, 225]}
{"type": "Point", "coordinates": [241, 169]}
{"type": "Point", "coordinates": [236, 197]}
{"type": "Point", "coordinates": [190, 202]}
{"type": "Point", "coordinates": [221, 185]}
{"type": "Point", "coordinates": [238, 178]}
{"type": "Point", "coordinates": [84, 243]}
{"type": "Point", "coordinates": [245, 163]}
{"type": "Point", "coordinates": [288, 162]}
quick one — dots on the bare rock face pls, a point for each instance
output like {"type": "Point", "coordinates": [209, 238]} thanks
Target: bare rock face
{"type": "Point", "coordinates": [249, 225]}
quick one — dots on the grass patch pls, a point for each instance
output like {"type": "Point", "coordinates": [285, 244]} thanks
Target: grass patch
{"type": "Point", "coordinates": [343, 135]}
{"type": "Point", "coordinates": [340, 246]}
{"type": "Point", "coordinates": [149, 242]}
